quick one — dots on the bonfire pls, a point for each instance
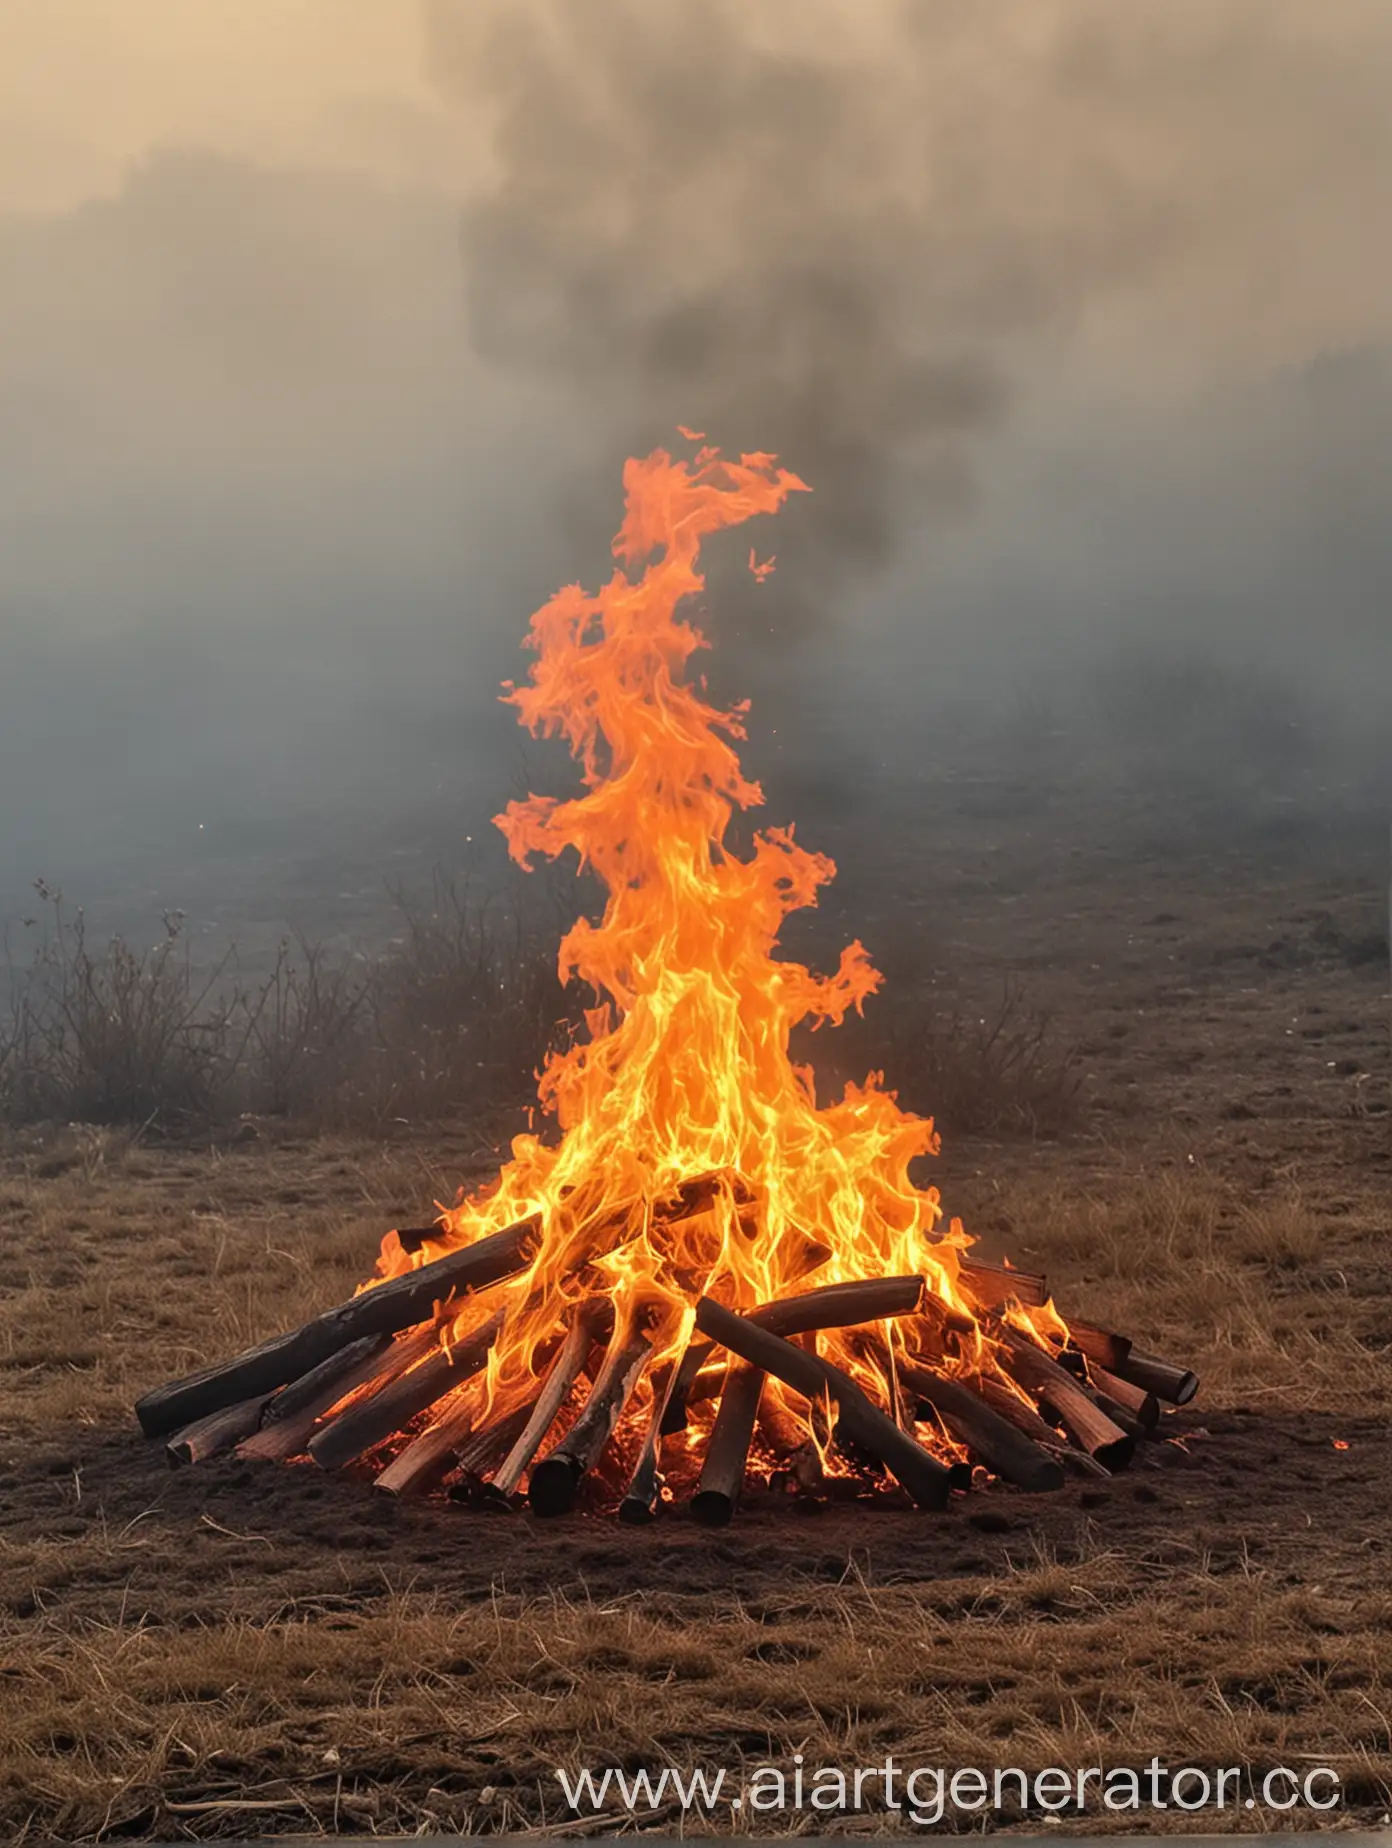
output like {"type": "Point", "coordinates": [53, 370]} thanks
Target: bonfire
{"type": "Point", "coordinates": [701, 1274]}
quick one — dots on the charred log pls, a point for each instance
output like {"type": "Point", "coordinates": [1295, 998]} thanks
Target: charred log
{"type": "Point", "coordinates": [1175, 1385]}
{"type": "Point", "coordinates": [382, 1310]}
{"type": "Point", "coordinates": [1143, 1406]}
{"type": "Point", "coordinates": [593, 1322]}
{"type": "Point", "coordinates": [412, 1238]}
{"type": "Point", "coordinates": [311, 1386]}
{"type": "Point", "coordinates": [700, 1192]}
{"type": "Point", "coordinates": [1001, 1446]}
{"type": "Point", "coordinates": [218, 1432]}
{"type": "Point", "coordinates": [554, 1481]}
{"type": "Point", "coordinates": [727, 1447]}
{"type": "Point", "coordinates": [994, 1284]}
{"type": "Point", "coordinates": [1085, 1421]}
{"type": "Point", "coordinates": [372, 1420]}
{"type": "Point", "coordinates": [481, 1452]}
{"type": "Point", "coordinates": [644, 1491]}
{"type": "Point", "coordinates": [428, 1459]}
{"type": "Point", "coordinates": [858, 1420]}
{"type": "Point", "coordinates": [1118, 1414]}
{"type": "Point", "coordinates": [840, 1305]}
{"type": "Point", "coordinates": [795, 1445]}
{"type": "Point", "coordinates": [1099, 1344]}
{"type": "Point", "coordinates": [293, 1415]}
{"type": "Point", "coordinates": [833, 1305]}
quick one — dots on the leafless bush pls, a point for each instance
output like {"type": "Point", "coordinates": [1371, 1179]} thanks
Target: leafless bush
{"type": "Point", "coordinates": [115, 1035]}
{"type": "Point", "coordinates": [301, 1032]}
{"type": "Point", "coordinates": [453, 1018]}
{"type": "Point", "coordinates": [1001, 1071]}
{"type": "Point", "coordinates": [464, 1005]}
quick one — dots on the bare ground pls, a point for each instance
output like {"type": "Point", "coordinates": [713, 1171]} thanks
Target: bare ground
{"type": "Point", "coordinates": [228, 1649]}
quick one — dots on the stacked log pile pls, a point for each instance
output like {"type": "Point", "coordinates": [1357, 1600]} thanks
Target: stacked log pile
{"type": "Point", "coordinates": [914, 1396]}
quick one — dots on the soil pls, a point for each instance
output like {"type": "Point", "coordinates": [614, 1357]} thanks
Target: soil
{"type": "Point", "coordinates": [1232, 1486]}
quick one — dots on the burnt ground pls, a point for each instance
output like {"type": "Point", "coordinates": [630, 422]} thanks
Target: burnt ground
{"type": "Point", "coordinates": [204, 1652]}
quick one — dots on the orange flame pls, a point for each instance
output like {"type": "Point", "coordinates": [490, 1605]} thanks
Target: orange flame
{"type": "Point", "coordinates": [685, 1069]}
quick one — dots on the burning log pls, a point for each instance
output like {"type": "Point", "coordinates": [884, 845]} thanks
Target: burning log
{"type": "Point", "coordinates": [840, 1305]}
{"type": "Point", "coordinates": [1086, 1422]}
{"type": "Point", "coordinates": [858, 1420]}
{"type": "Point", "coordinates": [428, 1459]}
{"type": "Point", "coordinates": [701, 1192]}
{"type": "Point", "coordinates": [1176, 1385]}
{"type": "Point", "coordinates": [695, 1381]}
{"type": "Point", "coordinates": [482, 1451]}
{"type": "Point", "coordinates": [1002, 1447]}
{"type": "Point", "coordinates": [593, 1322]}
{"type": "Point", "coordinates": [639, 1504]}
{"type": "Point", "coordinates": [554, 1480]}
{"type": "Point", "coordinates": [832, 1305]}
{"type": "Point", "coordinates": [382, 1310]}
{"type": "Point", "coordinates": [451, 1443]}
{"type": "Point", "coordinates": [994, 1284]}
{"type": "Point", "coordinates": [727, 1447]}
{"type": "Point", "coordinates": [796, 1447]}
{"type": "Point", "coordinates": [412, 1238]}
{"type": "Point", "coordinates": [219, 1431]}
{"type": "Point", "coordinates": [941, 1324]}
{"type": "Point", "coordinates": [370, 1421]}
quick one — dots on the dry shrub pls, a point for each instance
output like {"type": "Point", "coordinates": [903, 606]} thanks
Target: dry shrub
{"type": "Point", "coordinates": [454, 1017]}
{"type": "Point", "coordinates": [116, 1035]}
{"type": "Point", "coordinates": [1002, 1071]}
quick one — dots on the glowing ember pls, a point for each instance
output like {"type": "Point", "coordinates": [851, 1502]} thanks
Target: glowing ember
{"type": "Point", "coordinates": [685, 1070]}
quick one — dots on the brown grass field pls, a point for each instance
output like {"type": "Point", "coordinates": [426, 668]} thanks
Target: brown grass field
{"type": "Point", "coordinates": [232, 1650]}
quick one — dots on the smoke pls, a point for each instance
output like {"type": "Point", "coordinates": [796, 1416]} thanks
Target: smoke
{"type": "Point", "coordinates": [848, 232]}
{"type": "Point", "coordinates": [1074, 315]}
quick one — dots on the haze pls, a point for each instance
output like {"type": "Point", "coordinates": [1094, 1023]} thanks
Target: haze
{"type": "Point", "coordinates": [324, 332]}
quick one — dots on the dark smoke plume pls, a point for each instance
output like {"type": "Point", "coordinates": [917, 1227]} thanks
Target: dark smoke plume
{"type": "Point", "coordinates": [842, 231]}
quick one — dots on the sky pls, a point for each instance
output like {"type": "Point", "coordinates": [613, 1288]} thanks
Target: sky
{"type": "Point", "coordinates": [324, 330]}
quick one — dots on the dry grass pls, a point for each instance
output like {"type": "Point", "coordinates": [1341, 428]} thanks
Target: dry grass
{"type": "Point", "coordinates": [1272, 1301]}
{"type": "Point", "coordinates": [416, 1716]}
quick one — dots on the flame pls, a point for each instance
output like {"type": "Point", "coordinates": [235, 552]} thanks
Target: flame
{"type": "Point", "coordinates": [684, 1069]}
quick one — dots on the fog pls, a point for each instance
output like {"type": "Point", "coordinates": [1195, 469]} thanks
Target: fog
{"type": "Point", "coordinates": [1075, 317]}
